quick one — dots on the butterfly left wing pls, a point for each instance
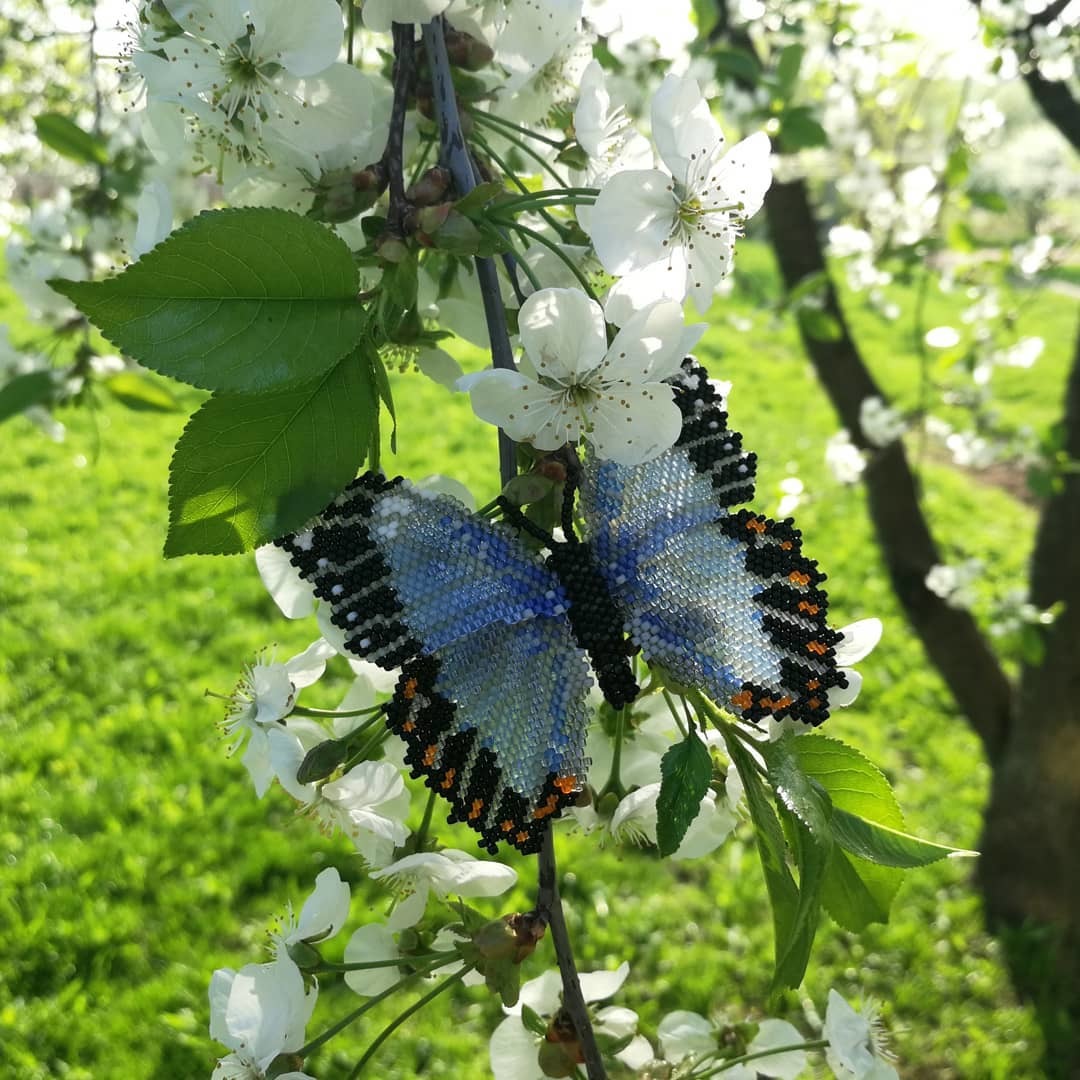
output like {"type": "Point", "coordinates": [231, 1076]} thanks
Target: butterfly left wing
{"type": "Point", "coordinates": [491, 697]}
{"type": "Point", "coordinates": [723, 600]}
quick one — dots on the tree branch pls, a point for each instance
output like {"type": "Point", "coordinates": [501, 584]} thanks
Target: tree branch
{"type": "Point", "coordinates": [1055, 566]}
{"type": "Point", "coordinates": [1057, 105]}
{"type": "Point", "coordinates": [455, 156]}
{"type": "Point", "coordinates": [950, 635]}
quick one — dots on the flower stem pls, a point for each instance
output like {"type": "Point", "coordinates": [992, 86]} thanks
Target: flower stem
{"type": "Point", "coordinates": [549, 907]}
{"type": "Point", "coordinates": [810, 1044]}
{"type": "Point", "coordinates": [528, 151]}
{"type": "Point", "coordinates": [420, 836]}
{"type": "Point", "coordinates": [614, 781]}
{"type": "Point", "coordinates": [427, 959]}
{"type": "Point", "coordinates": [320, 1040]}
{"type": "Point", "coordinates": [554, 248]}
{"type": "Point", "coordinates": [501, 121]}
{"type": "Point", "coordinates": [305, 710]}
{"type": "Point", "coordinates": [393, 154]}
{"type": "Point", "coordinates": [394, 1024]}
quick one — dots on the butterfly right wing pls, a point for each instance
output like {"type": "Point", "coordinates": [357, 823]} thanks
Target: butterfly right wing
{"type": "Point", "coordinates": [491, 700]}
{"type": "Point", "coordinates": [723, 600]}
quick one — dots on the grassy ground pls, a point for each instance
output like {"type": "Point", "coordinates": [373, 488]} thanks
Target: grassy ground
{"type": "Point", "coordinates": [136, 858]}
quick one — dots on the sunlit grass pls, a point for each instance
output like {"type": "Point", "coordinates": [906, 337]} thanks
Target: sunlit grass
{"type": "Point", "coordinates": [137, 858]}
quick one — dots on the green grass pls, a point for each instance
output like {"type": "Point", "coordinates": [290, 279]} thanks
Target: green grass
{"type": "Point", "coordinates": [136, 858]}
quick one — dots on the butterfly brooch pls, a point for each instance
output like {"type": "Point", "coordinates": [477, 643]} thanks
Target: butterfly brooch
{"type": "Point", "coordinates": [498, 645]}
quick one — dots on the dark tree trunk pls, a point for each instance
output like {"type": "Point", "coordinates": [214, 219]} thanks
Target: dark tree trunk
{"type": "Point", "coordinates": [1029, 872]}
{"type": "Point", "coordinates": [1030, 866]}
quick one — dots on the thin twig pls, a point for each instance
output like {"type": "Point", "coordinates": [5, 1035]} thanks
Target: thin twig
{"type": "Point", "coordinates": [393, 154]}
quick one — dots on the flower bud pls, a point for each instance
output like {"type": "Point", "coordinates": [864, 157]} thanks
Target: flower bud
{"type": "Point", "coordinates": [321, 760]}
{"type": "Point", "coordinates": [431, 187]}
{"type": "Point", "coordinates": [391, 248]}
{"type": "Point", "coordinates": [465, 51]}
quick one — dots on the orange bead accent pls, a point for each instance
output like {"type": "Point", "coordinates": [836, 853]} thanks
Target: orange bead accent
{"type": "Point", "coordinates": [566, 784]}
{"type": "Point", "coordinates": [410, 689]}
{"type": "Point", "coordinates": [814, 703]}
{"type": "Point", "coordinates": [817, 647]}
{"type": "Point", "coordinates": [448, 780]}
{"type": "Point", "coordinates": [477, 806]}
{"type": "Point", "coordinates": [548, 808]}
{"type": "Point", "coordinates": [798, 578]}
{"type": "Point", "coordinates": [522, 836]}
{"type": "Point", "coordinates": [757, 525]}
{"type": "Point", "coordinates": [429, 754]}
{"type": "Point", "coordinates": [507, 825]}
{"type": "Point", "coordinates": [743, 700]}
{"type": "Point", "coordinates": [813, 684]}
{"type": "Point", "coordinates": [787, 545]}
{"type": "Point", "coordinates": [409, 725]}
{"type": "Point", "coordinates": [810, 609]}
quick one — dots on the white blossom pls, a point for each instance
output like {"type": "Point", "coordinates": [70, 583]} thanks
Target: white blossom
{"type": "Point", "coordinates": [955, 583]}
{"type": "Point", "coordinates": [446, 873]}
{"type": "Point", "coordinates": [880, 423]}
{"type": "Point", "coordinates": [258, 1012]}
{"type": "Point", "coordinates": [843, 458]}
{"type": "Point", "coordinates": [264, 696]}
{"type": "Point", "coordinates": [856, 1049]}
{"type": "Point", "coordinates": [688, 1036]}
{"type": "Point", "coordinates": [572, 385]}
{"type": "Point", "coordinates": [369, 804]}
{"type": "Point", "coordinates": [323, 914]}
{"type": "Point", "coordinates": [677, 229]}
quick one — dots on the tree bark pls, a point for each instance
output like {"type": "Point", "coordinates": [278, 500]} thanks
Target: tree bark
{"type": "Point", "coordinates": [1030, 866]}
{"type": "Point", "coordinates": [951, 638]}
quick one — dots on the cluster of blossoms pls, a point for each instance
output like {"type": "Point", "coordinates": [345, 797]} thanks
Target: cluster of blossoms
{"type": "Point", "coordinates": [267, 102]}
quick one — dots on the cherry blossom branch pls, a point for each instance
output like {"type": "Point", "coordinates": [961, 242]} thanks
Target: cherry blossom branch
{"type": "Point", "coordinates": [393, 154]}
{"type": "Point", "coordinates": [455, 156]}
{"type": "Point", "coordinates": [549, 908]}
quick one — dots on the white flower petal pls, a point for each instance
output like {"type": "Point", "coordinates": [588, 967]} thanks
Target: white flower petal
{"type": "Point", "coordinates": [744, 174]}
{"type": "Point", "coordinates": [773, 1034]}
{"type": "Point", "coordinates": [325, 910]}
{"type": "Point", "coordinates": [652, 345]}
{"type": "Point", "coordinates": [683, 128]}
{"type": "Point", "coordinates": [155, 214]}
{"type": "Point", "coordinates": [368, 944]}
{"type": "Point", "coordinates": [685, 1034]}
{"type": "Point", "coordinates": [523, 408]}
{"type": "Point", "coordinates": [304, 38]}
{"type": "Point", "coordinates": [541, 994]}
{"type": "Point", "coordinates": [601, 985]}
{"type": "Point", "coordinates": [308, 667]}
{"type": "Point", "coordinates": [563, 333]}
{"type": "Point", "coordinates": [631, 220]}
{"type": "Point", "coordinates": [844, 696]}
{"type": "Point", "coordinates": [632, 424]}
{"type": "Point", "coordinates": [860, 639]}
{"type": "Point", "coordinates": [289, 591]}
{"type": "Point", "coordinates": [378, 14]}
{"type": "Point", "coordinates": [439, 366]}
{"type": "Point", "coordinates": [514, 1052]}
{"type": "Point", "coordinates": [318, 112]}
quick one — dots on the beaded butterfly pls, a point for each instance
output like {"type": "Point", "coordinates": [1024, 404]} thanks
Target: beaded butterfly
{"type": "Point", "coordinates": [498, 645]}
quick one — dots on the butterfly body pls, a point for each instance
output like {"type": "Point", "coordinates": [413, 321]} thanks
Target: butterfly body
{"type": "Point", "coordinates": [499, 645]}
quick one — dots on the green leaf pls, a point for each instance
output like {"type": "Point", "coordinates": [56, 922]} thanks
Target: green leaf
{"type": "Point", "coordinates": [787, 68]}
{"type": "Point", "coordinates": [386, 394]}
{"type": "Point", "coordinates": [800, 130]}
{"type": "Point", "coordinates": [479, 197]}
{"type": "Point", "coordinates": [819, 325]}
{"type": "Point", "coordinates": [140, 393]}
{"type": "Point", "coordinates": [685, 772]}
{"type": "Point", "coordinates": [20, 393]}
{"type": "Point", "coordinates": [812, 860]}
{"type": "Point", "coordinates": [236, 300]}
{"type": "Point", "coordinates": [856, 893]}
{"type": "Point", "coordinates": [959, 236]}
{"type": "Point", "coordinates": [249, 469]}
{"type": "Point", "coordinates": [736, 64]}
{"type": "Point", "coordinates": [783, 892]}
{"type": "Point", "coordinates": [70, 141]}
{"type": "Point", "coordinates": [802, 795]}
{"type": "Point", "coordinates": [993, 201]}
{"type": "Point", "coordinates": [885, 846]}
